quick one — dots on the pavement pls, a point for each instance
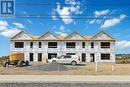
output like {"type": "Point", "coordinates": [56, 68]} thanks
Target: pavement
{"type": "Point", "coordinates": [63, 81]}
{"type": "Point", "coordinates": [64, 78]}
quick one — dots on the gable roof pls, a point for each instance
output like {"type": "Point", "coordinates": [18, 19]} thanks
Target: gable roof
{"type": "Point", "coordinates": [68, 37]}
{"type": "Point", "coordinates": [102, 31]}
{"type": "Point", "coordinates": [16, 34]}
{"type": "Point", "coordinates": [48, 33]}
{"type": "Point", "coordinates": [20, 33]}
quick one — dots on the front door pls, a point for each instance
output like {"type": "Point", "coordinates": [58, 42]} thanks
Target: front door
{"type": "Point", "coordinates": [83, 57]}
{"type": "Point", "coordinates": [31, 56]}
{"type": "Point", "coordinates": [39, 57]}
{"type": "Point", "coordinates": [92, 57]}
{"type": "Point", "coordinates": [51, 55]}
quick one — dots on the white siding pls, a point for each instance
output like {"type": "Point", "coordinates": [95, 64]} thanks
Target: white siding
{"type": "Point", "coordinates": [62, 50]}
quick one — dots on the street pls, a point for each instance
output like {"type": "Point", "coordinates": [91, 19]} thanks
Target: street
{"type": "Point", "coordinates": [58, 84]}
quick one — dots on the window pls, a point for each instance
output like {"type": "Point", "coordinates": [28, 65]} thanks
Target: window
{"type": "Point", "coordinates": [52, 44]}
{"type": "Point", "coordinates": [92, 56]}
{"type": "Point", "coordinates": [40, 44]}
{"type": "Point", "coordinates": [52, 55]}
{"type": "Point", "coordinates": [31, 56]}
{"type": "Point", "coordinates": [39, 56]}
{"type": "Point", "coordinates": [31, 44]}
{"type": "Point", "coordinates": [83, 44]}
{"type": "Point", "coordinates": [70, 44]}
{"type": "Point", "coordinates": [105, 44]}
{"type": "Point", "coordinates": [105, 56]}
{"type": "Point", "coordinates": [19, 44]}
{"type": "Point", "coordinates": [70, 53]}
{"type": "Point", "coordinates": [67, 56]}
{"type": "Point", "coordinates": [92, 44]}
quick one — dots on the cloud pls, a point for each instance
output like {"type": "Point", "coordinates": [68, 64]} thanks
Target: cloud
{"type": "Point", "coordinates": [95, 21]}
{"type": "Point", "coordinates": [6, 30]}
{"type": "Point", "coordinates": [54, 17]}
{"type": "Point", "coordinates": [101, 13]}
{"type": "Point", "coordinates": [62, 28]}
{"type": "Point", "coordinates": [10, 32]}
{"type": "Point", "coordinates": [122, 44]}
{"type": "Point", "coordinates": [19, 25]}
{"type": "Point", "coordinates": [3, 25]}
{"type": "Point", "coordinates": [74, 6]}
{"type": "Point", "coordinates": [29, 21]}
{"type": "Point", "coordinates": [98, 14]}
{"type": "Point", "coordinates": [114, 21]}
{"type": "Point", "coordinates": [25, 14]}
{"type": "Point", "coordinates": [53, 14]}
{"type": "Point", "coordinates": [66, 12]}
{"type": "Point", "coordinates": [61, 33]}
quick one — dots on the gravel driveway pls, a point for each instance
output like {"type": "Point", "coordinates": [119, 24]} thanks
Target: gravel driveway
{"type": "Point", "coordinates": [52, 66]}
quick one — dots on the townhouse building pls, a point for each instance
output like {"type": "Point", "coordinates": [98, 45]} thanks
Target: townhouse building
{"type": "Point", "coordinates": [96, 48]}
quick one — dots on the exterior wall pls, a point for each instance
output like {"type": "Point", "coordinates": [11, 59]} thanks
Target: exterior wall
{"type": "Point", "coordinates": [62, 50]}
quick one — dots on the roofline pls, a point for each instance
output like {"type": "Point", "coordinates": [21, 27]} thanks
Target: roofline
{"type": "Point", "coordinates": [20, 33]}
{"type": "Point", "coordinates": [64, 40]}
{"type": "Point", "coordinates": [103, 32]}
{"type": "Point", "coordinates": [46, 33]}
{"type": "Point", "coordinates": [17, 34]}
{"type": "Point", "coordinates": [73, 33]}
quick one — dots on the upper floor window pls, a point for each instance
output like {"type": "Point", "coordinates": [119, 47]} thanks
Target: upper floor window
{"type": "Point", "coordinates": [31, 44]}
{"type": "Point", "coordinates": [83, 44]}
{"type": "Point", "coordinates": [105, 44]}
{"type": "Point", "coordinates": [40, 44]}
{"type": "Point", "coordinates": [70, 44]}
{"type": "Point", "coordinates": [105, 56]}
{"type": "Point", "coordinates": [92, 44]}
{"type": "Point", "coordinates": [19, 44]}
{"type": "Point", "coordinates": [52, 44]}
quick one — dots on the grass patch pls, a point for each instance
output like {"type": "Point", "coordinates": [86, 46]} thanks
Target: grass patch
{"type": "Point", "coordinates": [122, 60]}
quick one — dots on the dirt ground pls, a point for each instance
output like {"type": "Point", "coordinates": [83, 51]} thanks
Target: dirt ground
{"type": "Point", "coordinates": [88, 69]}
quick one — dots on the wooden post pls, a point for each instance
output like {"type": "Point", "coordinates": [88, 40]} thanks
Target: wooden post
{"type": "Point", "coordinates": [96, 67]}
{"type": "Point", "coordinates": [58, 67]}
{"type": "Point", "coordinates": [112, 67]}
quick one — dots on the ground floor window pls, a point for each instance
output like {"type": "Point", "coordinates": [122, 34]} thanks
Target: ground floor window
{"type": "Point", "coordinates": [52, 55]}
{"type": "Point", "coordinates": [39, 57]}
{"type": "Point", "coordinates": [83, 57]}
{"type": "Point", "coordinates": [105, 56]}
{"type": "Point", "coordinates": [92, 56]}
{"type": "Point", "coordinates": [31, 56]}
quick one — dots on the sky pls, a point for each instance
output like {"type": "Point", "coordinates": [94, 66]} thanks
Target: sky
{"type": "Point", "coordinates": [65, 16]}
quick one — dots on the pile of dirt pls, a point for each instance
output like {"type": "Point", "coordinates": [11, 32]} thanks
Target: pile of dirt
{"type": "Point", "coordinates": [48, 67]}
